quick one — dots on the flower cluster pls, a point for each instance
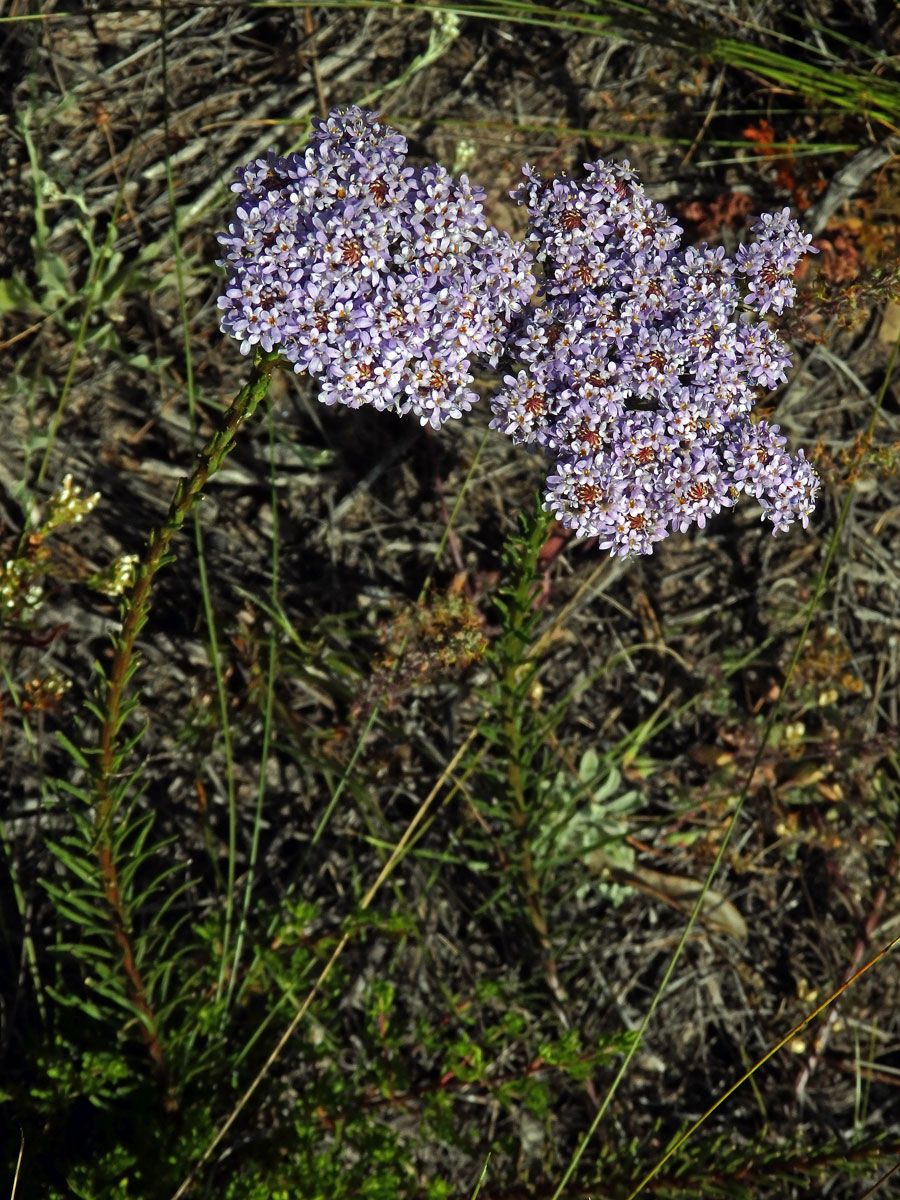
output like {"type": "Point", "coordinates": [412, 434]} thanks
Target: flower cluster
{"type": "Point", "coordinates": [379, 279]}
{"type": "Point", "coordinates": [641, 362]}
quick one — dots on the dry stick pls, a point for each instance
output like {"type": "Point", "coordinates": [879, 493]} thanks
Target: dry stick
{"type": "Point", "coordinates": [710, 113]}
{"type": "Point", "coordinates": [396, 854]}
{"type": "Point", "coordinates": [310, 30]}
{"type": "Point", "coordinates": [860, 946]}
{"type": "Point", "coordinates": [878, 1182]}
{"type": "Point", "coordinates": [788, 1037]}
{"type": "Point", "coordinates": [12, 1195]}
{"type": "Point", "coordinates": [108, 758]}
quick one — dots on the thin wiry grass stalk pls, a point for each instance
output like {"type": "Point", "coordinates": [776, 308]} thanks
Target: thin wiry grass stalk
{"type": "Point", "coordinates": [108, 792]}
{"type": "Point", "coordinates": [91, 294]}
{"type": "Point", "coordinates": [847, 86]}
{"type": "Point", "coordinates": [770, 1053]}
{"type": "Point", "coordinates": [268, 713]}
{"type": "Point", "coordinates": [399, 852]}
{"type": "Point", "coordinates": [203, 576]}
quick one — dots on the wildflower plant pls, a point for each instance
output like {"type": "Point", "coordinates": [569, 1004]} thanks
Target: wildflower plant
{"type": "Point", "coordinates": [633, 364]}
{"type": "Point", "coordinates": [640, 363]}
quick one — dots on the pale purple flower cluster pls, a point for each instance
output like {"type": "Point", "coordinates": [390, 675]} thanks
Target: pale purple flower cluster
{"type": "Point", "coordinates": [381, 280]}
{"type": "Point", "coordinates": [640, 365]}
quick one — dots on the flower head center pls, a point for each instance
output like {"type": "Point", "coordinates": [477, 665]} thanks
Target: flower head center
{"type": "Point", "coordinates": [378, 190]}
{"type": "Point", "coordinates": [352, 252]}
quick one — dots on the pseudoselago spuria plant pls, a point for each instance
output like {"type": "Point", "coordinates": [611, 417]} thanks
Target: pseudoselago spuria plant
{"type": "Point", "coordinates": [633, 364]}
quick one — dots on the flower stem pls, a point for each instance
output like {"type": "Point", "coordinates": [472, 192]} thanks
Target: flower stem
{"type": "Point", "coordinates": [516, 676]}
{"type": "Point", "coordinates": [114, 706]}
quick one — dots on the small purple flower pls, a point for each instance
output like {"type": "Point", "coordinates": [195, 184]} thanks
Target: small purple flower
{"type": "Point", "coordinates": [381, 280]}
{"type": "Point", "coordinates": [639, 369]}
{"type": "Point", "coordinates": [769, 263]}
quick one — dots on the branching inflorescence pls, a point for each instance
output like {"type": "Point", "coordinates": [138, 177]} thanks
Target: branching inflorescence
{"type": "Point", "coordinates": [381, 280]}
{"type": "Point", "coordinates": [637, 363]}
{"type": "Point", "coordinates": [636, 378]}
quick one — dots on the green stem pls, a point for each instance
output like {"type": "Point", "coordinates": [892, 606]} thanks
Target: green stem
{"type": "Point", "coordinates": [109, 755]}
{"type": "Point", "coordinates": [517, 670]}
